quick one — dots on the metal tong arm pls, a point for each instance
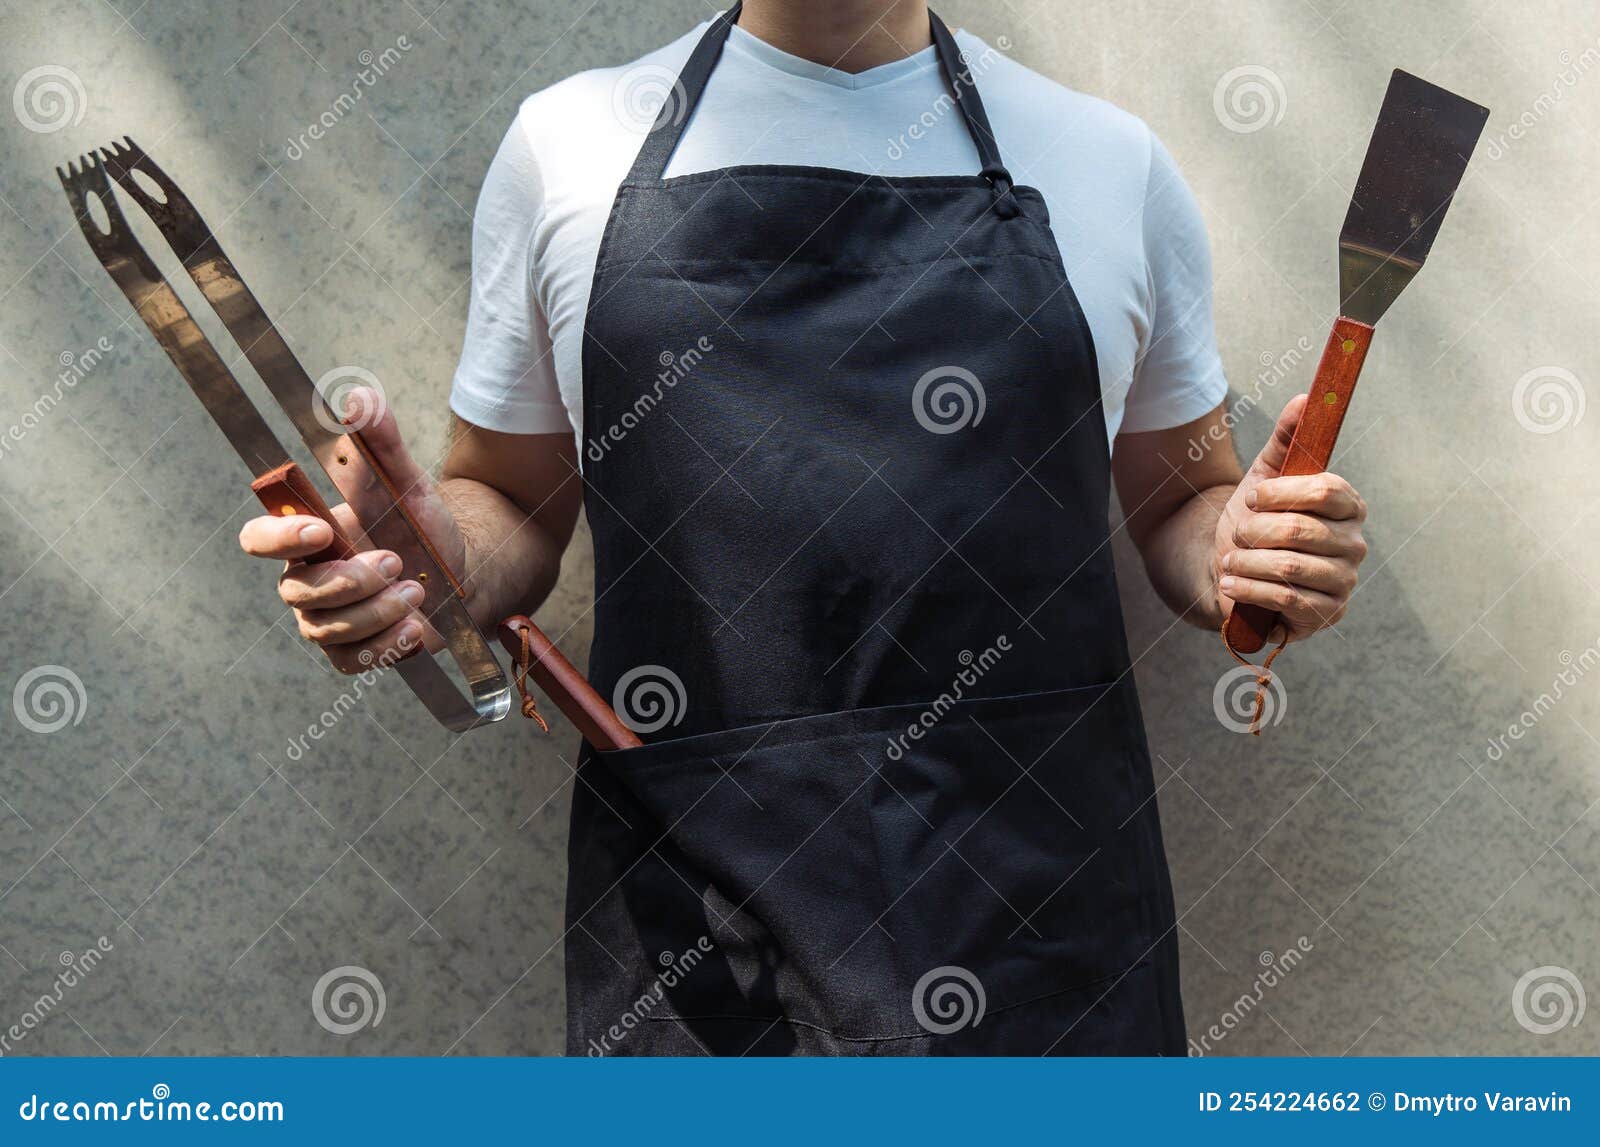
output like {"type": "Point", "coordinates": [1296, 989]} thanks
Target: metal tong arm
{"type": "Point", "coordinates": [395, 528]}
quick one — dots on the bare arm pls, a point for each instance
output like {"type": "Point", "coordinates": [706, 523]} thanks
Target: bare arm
{"type": "Point", "coordinates": [515, 498]}
{"type": "Point", "coordinates": [1173, 485]}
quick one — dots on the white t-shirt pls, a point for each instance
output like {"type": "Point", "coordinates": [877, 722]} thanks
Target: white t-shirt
{"type": "Point", "coordinates": [1131, 236]}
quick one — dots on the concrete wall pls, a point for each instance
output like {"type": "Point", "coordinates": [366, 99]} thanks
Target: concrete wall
{"type": "Point", "coordinates": [1425, 872]}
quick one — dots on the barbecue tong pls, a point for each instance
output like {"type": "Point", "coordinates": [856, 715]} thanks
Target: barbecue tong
{"type": "Point", "coordinates": [280, 484]}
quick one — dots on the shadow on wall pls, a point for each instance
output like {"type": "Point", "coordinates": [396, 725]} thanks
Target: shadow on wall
{"type": "Point", "coordinates": [1422, 873]}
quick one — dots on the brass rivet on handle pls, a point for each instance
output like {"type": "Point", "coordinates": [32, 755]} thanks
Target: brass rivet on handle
{"type": "Point", "coordinates": [1349, 345]}
{"type": "Point", "coordinates": [422, 577]}
{"type": "Point", "coordinates": [1330, 398]}
{"type": "Point", "coordinates": [286, 511]}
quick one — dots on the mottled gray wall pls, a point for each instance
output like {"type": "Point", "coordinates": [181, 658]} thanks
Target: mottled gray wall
{"type": "Point", "coordinates": [1425, 873]}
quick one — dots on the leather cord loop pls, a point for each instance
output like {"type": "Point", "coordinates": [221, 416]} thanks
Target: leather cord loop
{"type": "Point", "coordinates": [1263, 676]}
{"type": "Point", "coordinates": [530, 705]}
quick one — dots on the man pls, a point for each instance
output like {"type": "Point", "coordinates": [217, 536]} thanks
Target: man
{"type": "Point", "coordinates": [846, 387]}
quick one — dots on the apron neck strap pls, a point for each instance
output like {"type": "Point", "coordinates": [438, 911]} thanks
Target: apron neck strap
{"type": "Point", "coordinates": [679, 107]}
{"type": "Point", "coordinates": [959, 76]}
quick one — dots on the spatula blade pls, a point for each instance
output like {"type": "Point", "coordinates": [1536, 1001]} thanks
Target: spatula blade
{"type": "Point", "coordinates": [1415, 162]}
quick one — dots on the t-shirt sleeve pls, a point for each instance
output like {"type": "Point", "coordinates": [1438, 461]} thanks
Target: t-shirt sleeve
{"type": "Point", "coordinates": [506, 378]}
{"type": "Point", "coordinates": [1178, 376]}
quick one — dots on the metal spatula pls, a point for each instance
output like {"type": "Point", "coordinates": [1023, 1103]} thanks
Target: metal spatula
{"type": "Point", "coordinates": [1414, 164]}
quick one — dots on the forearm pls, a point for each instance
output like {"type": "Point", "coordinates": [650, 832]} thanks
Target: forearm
{"type": "Point", "coordinates": [1179, 557]}
{"type": "Point", "coordinates": [512, 561]}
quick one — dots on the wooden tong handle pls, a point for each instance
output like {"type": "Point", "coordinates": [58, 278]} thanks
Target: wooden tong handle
{"type": "Point", "coordinates": [286, 492]}
{"type": "Point", "coordinates": [564, 685]}
{"type": "Point", "coordinates": [1249, 625]}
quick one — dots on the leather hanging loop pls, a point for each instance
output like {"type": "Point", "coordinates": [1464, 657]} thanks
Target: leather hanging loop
{"type": "Point", "coordinates": [1263, 676]}
{"type": "Point", "coordinates": [530, 705]}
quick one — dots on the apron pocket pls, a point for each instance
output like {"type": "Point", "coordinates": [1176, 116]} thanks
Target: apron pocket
{"type": "Point", "coordinates": [849, 867]}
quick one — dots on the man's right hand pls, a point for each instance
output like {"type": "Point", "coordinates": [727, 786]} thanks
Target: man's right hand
{"type": "Point", "coordinates": [360, 611]}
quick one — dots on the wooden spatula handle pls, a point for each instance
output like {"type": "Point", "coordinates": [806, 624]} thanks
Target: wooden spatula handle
{"type": "Point", "coordinates": [1312, 446]}
{"type": "Point", "coordinates": [287, 491]}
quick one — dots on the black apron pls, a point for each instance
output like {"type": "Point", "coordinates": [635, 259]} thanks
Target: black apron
{"type": "Point", "coordinates": [847, 475]}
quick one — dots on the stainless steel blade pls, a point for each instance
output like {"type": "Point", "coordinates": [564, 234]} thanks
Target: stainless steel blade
{"type": "Point", "coordinates": [169, 320]}
{"type": "Point", "coordinates": [393, 528]}
{"type": "Point", "coordinates": [1415, 161]}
